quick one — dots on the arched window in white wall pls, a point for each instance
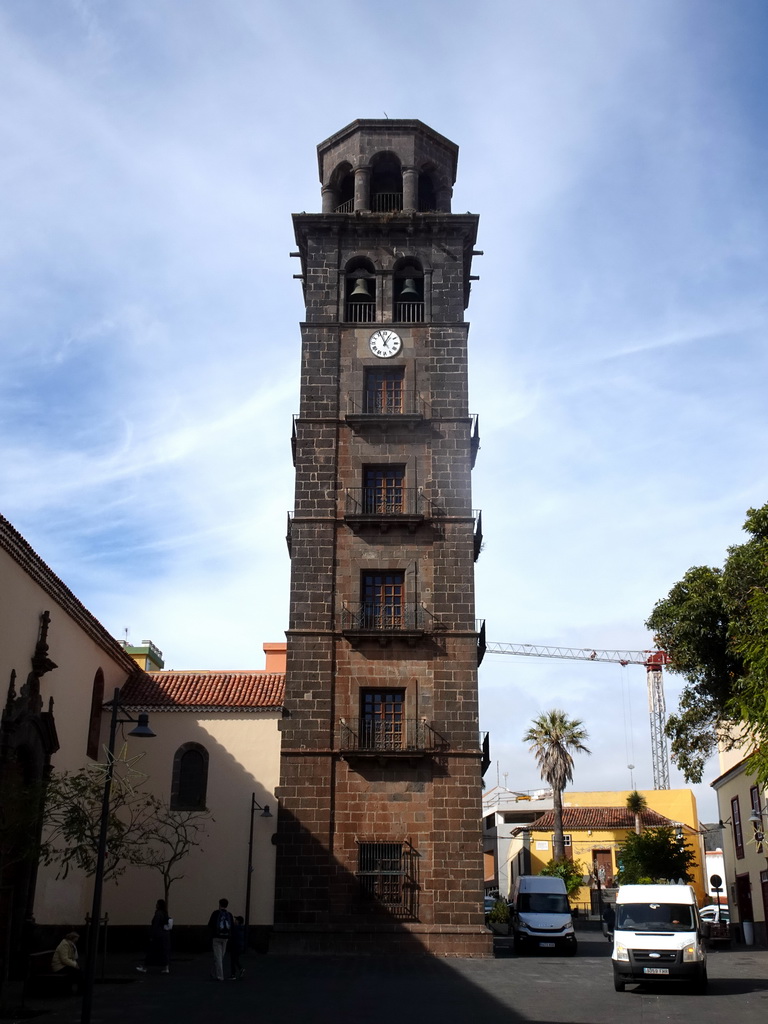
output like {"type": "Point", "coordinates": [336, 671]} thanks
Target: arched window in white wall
{"type": "Point", "coordinates": [189, 785]}
{"type": "Point", "coordinates": [94, 721]}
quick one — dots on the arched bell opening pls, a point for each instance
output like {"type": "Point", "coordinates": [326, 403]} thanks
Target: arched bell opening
{"type": "Point", "coordinates": [427, 191]}
{"type": "Point", "coordinates": [360, 292]}
{"type": "Point", "coordinates": [409, 293]}
{"type": "Point", "coordinates": [343, 184]}
{"type": "Point", "coordinates": [386, 183]}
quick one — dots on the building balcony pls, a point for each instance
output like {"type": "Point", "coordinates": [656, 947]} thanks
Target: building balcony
{"type": "Point", "coordinates": [403, 622]}
{"type": "Point", "coordinates": [485, 747]}
{"type": "Point", "coordinates": [401, 506]}
{"type": "Point", "coordinates": [474, 438]}
{"type": "Point", "coordinates": [397, 408]}
{"type": "Point", "coordinates": [478, 532]}
{"type": "Point", "coordinates": [481, 641]}
{"type": "Point", "coordinates": [404, 738]}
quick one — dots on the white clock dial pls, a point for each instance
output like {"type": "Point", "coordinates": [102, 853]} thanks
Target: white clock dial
{"type": "Point", "coordinates": [385, 344]}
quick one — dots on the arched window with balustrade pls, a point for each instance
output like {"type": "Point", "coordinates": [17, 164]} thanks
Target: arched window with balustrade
{"type": "Point", "coordinates": [408, 292]}
{"type": "Point", "coordinates": [360, 292]}
{"type": "Point", "coordinates": [386, 183]}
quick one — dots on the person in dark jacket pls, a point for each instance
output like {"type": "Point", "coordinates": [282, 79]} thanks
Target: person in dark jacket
{"type": "Point", "coordinates": [159, 950]}
{"type": "Point", "coordinates": [236, 947]}
{"type": "Point", "coordinates": [221, 925]}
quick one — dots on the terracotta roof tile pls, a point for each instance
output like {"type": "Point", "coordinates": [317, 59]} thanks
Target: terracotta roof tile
{"type": "Point", "coordinates": [177, 691]}
{"type": "Point", "coordinates": [577, 818]}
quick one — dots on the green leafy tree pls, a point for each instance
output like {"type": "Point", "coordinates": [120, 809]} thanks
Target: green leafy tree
{"type": "Point", "coordinates": [72, 821]}
{"type": "Point", "coordinates": [552, 737]}
{"type": "Point", "coordinates": [713, 624]}
{"type": "Point", "coordinates": [636, 804]}
{"type": "Point", "coordinates": [654, 855]}
{"type": "Point", "coordinates": [571, 872]}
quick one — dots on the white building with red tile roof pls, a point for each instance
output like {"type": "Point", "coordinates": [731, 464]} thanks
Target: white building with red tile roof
{"type": "Point", "coordinates": [217, 748]}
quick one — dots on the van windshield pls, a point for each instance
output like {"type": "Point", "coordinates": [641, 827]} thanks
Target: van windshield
{"type": "Point", "coordinates": [543, 903]}
{"type": "Point", "coordinates": [655, 917]}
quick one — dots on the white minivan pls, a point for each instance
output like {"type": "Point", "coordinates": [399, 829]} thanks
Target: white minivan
{"type": "Point", "coordinates": [540, 915]}
{"type": "Point", "coordinates": [657, 936]}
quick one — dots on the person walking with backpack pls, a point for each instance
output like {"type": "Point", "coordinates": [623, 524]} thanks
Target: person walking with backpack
{"type": "Point", "coordinates": [220, 926]}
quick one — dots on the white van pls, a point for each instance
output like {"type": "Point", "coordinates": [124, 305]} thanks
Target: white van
{"type": "Point", "coordinates": [540, 915]}
{"type": "Point", "coordinates": [657, 936]}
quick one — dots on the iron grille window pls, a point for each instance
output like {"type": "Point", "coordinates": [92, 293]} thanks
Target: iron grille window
{"type": "Point", "coordinates": [383, 600]}
{"type": "Point", "coordinates": [388, 875]}
{"type": "Point", "coordinates": [738, 837]}
{"type": "Point", "coordinates": [382, 719]}
{"type": "Point", "coordinates": [383, 490]}
{"type": "Point", "coordinates": [384, 391]}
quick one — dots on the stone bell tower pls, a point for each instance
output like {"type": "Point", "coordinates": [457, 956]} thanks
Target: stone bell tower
{"type": "Point", "coordinates": [379, 831]}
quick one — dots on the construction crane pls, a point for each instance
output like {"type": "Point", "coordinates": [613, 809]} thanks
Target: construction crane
{"type": "Point", "coordinates": [653, 661]}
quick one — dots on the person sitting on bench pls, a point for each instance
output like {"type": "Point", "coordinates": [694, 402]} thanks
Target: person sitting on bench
{"type": "Point", "coordinates": [64, 960]}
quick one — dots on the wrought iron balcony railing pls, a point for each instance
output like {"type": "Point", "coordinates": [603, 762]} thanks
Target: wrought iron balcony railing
{"type": "Point", "coordinates": [481, 641]}
{"type": "Point", "coordinates": [404, 736]}
{"type": "Point", "coordinates": [485, 747]}
{"type": "Point", "coordinates": [478, 532]}
{"type": "Point", "coordinates": [398, 503]}
{"type": "Point", "coordinates": [388, 620]}
{"type": "Point", "coordinates": [371, 403]}
{"type": "Point", "coordinates": [474, 438]}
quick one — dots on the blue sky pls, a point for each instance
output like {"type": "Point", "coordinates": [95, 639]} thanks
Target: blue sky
{"type": "Point", "coordinates": [151, 156]}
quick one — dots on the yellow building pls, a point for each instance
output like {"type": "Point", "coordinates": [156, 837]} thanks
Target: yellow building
{"type": "Point", "coordinates": [596, 824]}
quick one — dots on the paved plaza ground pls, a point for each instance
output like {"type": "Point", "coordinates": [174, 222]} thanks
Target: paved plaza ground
{"type": "Point", "coordinates": [416, 990]}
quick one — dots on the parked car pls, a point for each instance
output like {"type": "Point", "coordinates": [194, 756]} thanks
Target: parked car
{"type": "Point", "coordinates": [715, 913]}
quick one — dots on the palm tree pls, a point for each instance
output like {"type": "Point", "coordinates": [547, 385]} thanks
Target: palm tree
{"type": "Point", "coordinates": [552, 737]}
{"type": "Point", "coordinates": [636, 804]}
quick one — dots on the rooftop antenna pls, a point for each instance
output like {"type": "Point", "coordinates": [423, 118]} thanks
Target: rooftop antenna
{"type": "Point", "coordinates": [505, 780]}
{"type": "Point", "coordinates": [631, 776]}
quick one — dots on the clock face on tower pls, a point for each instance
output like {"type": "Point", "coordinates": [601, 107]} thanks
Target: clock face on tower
{"type": "Point", "coordinates": [385, 344]}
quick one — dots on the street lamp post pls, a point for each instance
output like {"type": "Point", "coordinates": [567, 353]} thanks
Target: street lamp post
{"type": "Point", "coordinates": [142, 730]}
{"type": "Point", "coordinates": [265, 813]}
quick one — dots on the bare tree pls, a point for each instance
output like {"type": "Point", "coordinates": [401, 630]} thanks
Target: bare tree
{"type": "Point", "coordinates": [174, 834]}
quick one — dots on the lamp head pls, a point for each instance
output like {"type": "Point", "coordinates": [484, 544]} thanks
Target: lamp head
{"type": "Point", "coordinates": [142, 729]}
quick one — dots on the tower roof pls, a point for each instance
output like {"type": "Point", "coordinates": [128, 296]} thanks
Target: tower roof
{"type": "Point", "coordinates": [365, 135]}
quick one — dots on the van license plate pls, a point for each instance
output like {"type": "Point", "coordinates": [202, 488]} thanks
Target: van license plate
{"type": "Point", "coordinates": [547, 945]}
{"type": "Point", "coordinates": [655, 970]}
